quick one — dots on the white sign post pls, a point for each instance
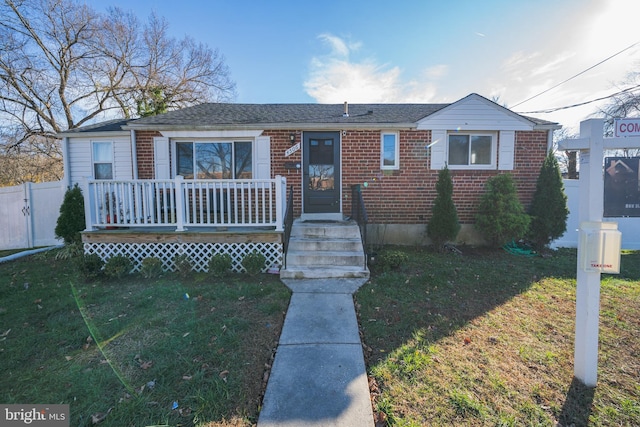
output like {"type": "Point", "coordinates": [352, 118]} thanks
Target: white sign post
{"type": "Point", "coordinates": [591, 207]}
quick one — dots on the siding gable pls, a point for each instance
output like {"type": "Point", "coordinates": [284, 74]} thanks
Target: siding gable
{"type": "Point", "coordinates": [474, 113]}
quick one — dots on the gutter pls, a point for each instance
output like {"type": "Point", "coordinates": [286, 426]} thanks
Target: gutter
{"type": "Point", "coordinates": [274, 126]}
{"type": "Point", "coordinates": [66, 166]}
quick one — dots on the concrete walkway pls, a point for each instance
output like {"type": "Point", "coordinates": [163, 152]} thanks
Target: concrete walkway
{"type": "Point", "coordinates": [318, 376]}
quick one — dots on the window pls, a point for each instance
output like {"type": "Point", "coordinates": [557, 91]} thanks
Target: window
{"type": "Point", "coordinates": [102, 160]}
{"type": "Point", "coordinates": [214, 160]}
{"type": "Point", "coordinates": [389, 151]}
{"type": "Point", "coordinates": [472, 150]}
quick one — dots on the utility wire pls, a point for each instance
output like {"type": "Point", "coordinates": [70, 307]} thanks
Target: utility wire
{"type": "Point", "coordinates": [552, 110]}
{"type": "Point", "coordinates": [579, 74]}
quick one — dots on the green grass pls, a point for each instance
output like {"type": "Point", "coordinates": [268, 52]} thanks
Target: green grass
{"type": "Point", "coordinates": [133, 347]}
{"type": "Point", "coordinates": [486, 339]}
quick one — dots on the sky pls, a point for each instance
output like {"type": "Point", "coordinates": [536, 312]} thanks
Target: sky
{"type": "Point", "coordinates": [422, 51]}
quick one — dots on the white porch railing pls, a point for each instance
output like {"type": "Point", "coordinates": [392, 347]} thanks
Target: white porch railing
{"type": "Point", "coordinates": [182, 203]}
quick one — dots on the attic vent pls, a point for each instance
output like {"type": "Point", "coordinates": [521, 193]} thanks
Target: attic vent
{"type": "Point", "coordinates": [346, 110]}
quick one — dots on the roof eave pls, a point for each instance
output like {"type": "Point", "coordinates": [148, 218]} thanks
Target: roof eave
{"type": "Point", "coordinates": [272, 126]}
{"type": "Point", "coordinates": [93, 134]}
{"type": "Point", "coordinates": [550, 126]}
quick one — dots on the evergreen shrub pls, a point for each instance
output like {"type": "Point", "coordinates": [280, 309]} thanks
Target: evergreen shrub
{"type": "Point", "coordinates": [501, 217]}
{"type": "Point", "coordinates": [548, 209]}
{"type": "Point", "coordinates": [443, 226]}
{"type": "Point", "coordinates": [71, 220]}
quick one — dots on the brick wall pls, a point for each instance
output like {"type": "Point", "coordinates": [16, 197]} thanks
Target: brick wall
{"type": "Point", "coordinates": [144, 150]}
{"type": "Point", "coordinates": [405, 196]}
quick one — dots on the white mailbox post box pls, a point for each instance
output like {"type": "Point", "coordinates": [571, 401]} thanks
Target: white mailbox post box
{"type": "Point", "coordinates": [600, 244]}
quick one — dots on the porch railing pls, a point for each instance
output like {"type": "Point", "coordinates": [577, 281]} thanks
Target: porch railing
{"type": "Point", "coordinates": [359, 214]}
{"type": "Point", "coordinates": [180, 203]}
{"type": "Point", "coordinates": [288, 225]}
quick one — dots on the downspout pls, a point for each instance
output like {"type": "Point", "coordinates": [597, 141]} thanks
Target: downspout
{"type": "Point", "coordinates": [66, 168]}
{"type": "Point", "coordinates": [549, 140]}
{"type": "Point", "coordinates": [134, 154]}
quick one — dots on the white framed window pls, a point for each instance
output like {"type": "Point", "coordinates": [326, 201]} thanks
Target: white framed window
{"type": "Point", "coordinates": [102, 159]}
{"type": "Point", "coordinates": [214, 159]}
{"type": "Point", "coordinates": [389, 150]}
{"type": "Point", "coordinates": [471, 150]}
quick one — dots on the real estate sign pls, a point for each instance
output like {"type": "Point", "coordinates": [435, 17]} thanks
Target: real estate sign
{"type": "Point", "coordinates": [627, 127]}
{"type": "Point", "coordinates": [622, 187]}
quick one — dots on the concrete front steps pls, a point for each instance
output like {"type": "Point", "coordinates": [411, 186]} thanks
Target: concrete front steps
{"type": "Point", "coordinates": [320, 250]}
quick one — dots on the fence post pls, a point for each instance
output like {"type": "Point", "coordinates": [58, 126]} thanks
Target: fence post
{"type": "Point", "coordinates": [26, 211]}
{"type": "Point", "coordinates": [281, 201]}
{"type": "Point", "coordinates": [180, 202]}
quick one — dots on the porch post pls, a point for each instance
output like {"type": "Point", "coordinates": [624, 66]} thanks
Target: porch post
{"type": "Point", "coordinates": [89, 211]}
{"type": "Point", "coordinates": [179, 187]}
{"type": "Point", "coordinates": [281, 189]}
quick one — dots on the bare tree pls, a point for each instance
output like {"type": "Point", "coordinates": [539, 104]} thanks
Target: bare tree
{"type": "Point", "coordinates": [625, 104]}
{"type": "Point", "coordinates": [35, 160]}
{"type": "Point", "coordinates": [64, 65]}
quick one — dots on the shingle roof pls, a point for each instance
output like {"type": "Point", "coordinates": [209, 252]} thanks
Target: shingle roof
{"type": "Point", "coordinates": [260, 114]}
{"type": "Point", "coordinates": [108, 126]}
{"type": "Point", "coordinates": [220, 115]}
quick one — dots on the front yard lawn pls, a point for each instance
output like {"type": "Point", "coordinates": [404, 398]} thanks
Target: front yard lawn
{"type": "Point", "coordinates": [486, 339]}
{"type": "Point", "coordinates": [137, 352]}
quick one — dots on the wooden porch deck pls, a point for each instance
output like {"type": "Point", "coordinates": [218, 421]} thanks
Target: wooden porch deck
{"type": "Point", "coordinates": [196, 235]}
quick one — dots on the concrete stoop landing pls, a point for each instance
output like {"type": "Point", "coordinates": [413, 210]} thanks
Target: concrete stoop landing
{"type": "Point", "coordinates": [331, 249]}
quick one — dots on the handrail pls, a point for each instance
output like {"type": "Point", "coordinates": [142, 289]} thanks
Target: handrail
{"type": "Point", "coordinates": [359, 214]}
{"type": "Point", "coordinates": [288, 225]}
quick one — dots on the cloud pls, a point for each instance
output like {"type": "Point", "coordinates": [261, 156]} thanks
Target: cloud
{"type": "Point", "coordinates": [336, 78]}
{"type": "Point", "coordinates": [338, 46]}
{"type": "Point", "coordinates": [437, 71]}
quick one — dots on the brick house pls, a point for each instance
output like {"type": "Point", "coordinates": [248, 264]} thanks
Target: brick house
{"type": "Point", "coordinates": [240, 161]}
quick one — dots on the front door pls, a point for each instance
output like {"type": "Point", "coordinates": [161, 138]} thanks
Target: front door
{"type": "Point", "coordinates": [321, 172]}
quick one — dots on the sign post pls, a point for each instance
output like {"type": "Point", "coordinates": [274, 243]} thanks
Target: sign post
{"type": "Point", "coordinates": [591, 207]}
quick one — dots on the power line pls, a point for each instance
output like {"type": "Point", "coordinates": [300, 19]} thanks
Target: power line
{"type": "Point", "coordinates": [552, 110]}
{"type": "Point", "coordinates": [579, 74]}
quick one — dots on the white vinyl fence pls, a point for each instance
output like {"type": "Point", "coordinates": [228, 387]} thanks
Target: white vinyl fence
{"type": "Point", "coordinates": [629, 227]}
{"type": "Point", "coordinates": [28, 214]}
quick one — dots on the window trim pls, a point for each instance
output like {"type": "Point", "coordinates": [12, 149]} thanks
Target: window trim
{"type": "Point", "coordinates": [395, 166]}
{"type": "Point", "coordinates": [494, 150]}
{"type": "Point", "coordinates": [232, 141]}
{"type": "Point", "coordinates": [94, 162]}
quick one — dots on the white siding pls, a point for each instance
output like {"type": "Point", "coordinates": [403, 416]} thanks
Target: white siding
{"type": "Point", "coordinates": [80, 162]}
{"type": "Point", "coordinates": [474, 113]}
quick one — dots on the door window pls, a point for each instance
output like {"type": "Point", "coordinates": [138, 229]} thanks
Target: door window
{"type": "Point", "coordinates": [321, 165]}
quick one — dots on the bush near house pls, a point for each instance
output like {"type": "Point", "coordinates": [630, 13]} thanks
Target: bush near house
{"type": "Point", "coordinates": [443, 226]}
{"type": "Point", "coordinates": [118, 266]}
{"type": "Point", "coordinates": [151, 268]}
{"type": "Point", "coordinates": [71, 220]}
{"type": "Point", "coordinates": [220, 265]}
{"type": "Point", "coordinates": [254, 262]}
{"type": "Point", "coordinates": [548, 209]}
{"type": "Point", "coordinates": [501, 217]}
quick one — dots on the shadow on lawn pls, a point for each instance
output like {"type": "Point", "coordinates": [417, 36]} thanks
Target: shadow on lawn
{"type": "Point", "coordinates": [438, 294]}
{"type": "Point", "coordinates": [577, 406]}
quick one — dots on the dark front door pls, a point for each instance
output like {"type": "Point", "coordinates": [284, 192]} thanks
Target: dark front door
{"type": "Point", "coordinates": [321, 170]}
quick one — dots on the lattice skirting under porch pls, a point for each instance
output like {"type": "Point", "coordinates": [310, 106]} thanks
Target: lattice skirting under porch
{"type": "Point", "coordinates": [198, 253]}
